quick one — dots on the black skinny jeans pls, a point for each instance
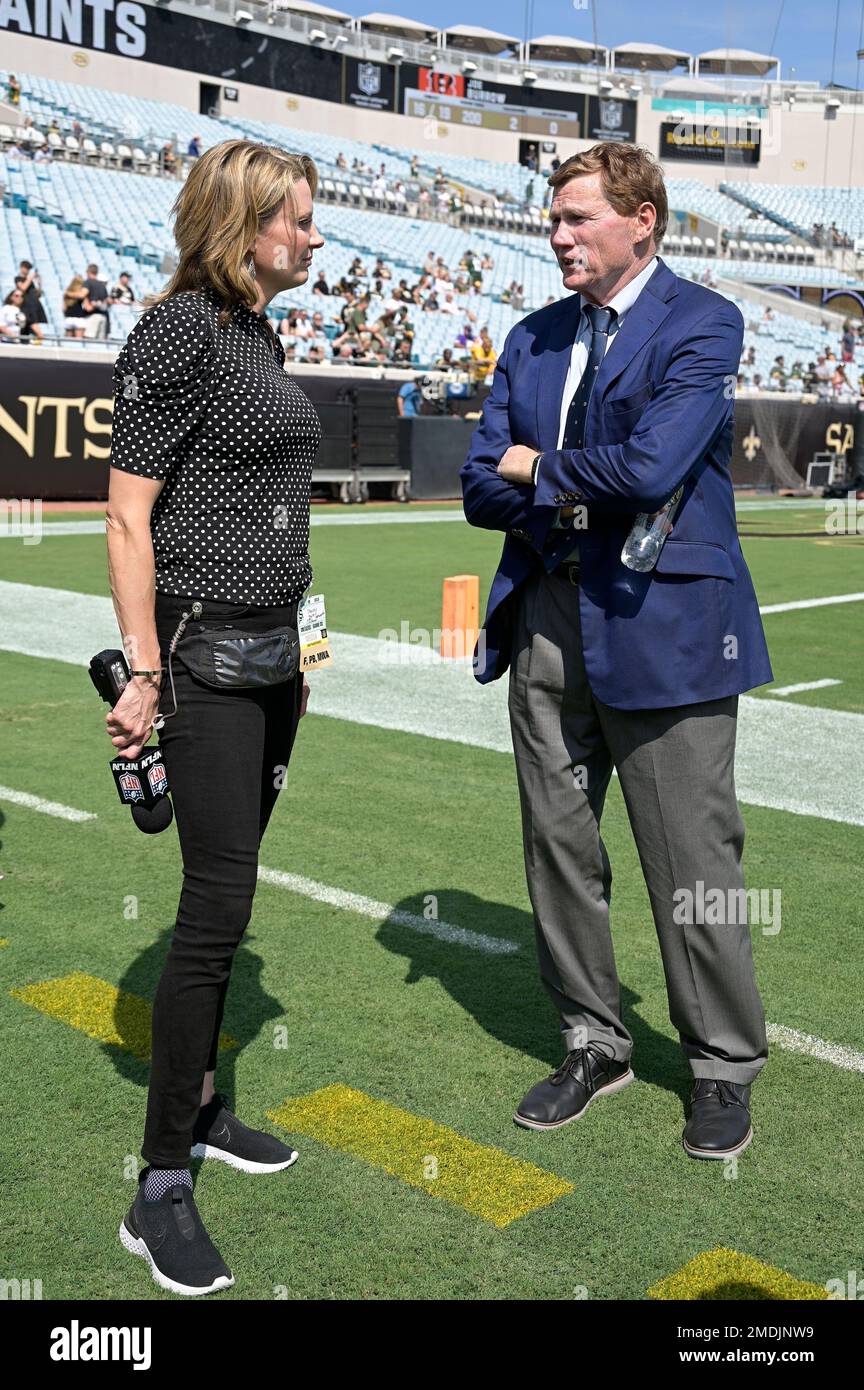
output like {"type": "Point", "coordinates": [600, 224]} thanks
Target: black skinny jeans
{"type": "Point", "coordinates": [223, 750]}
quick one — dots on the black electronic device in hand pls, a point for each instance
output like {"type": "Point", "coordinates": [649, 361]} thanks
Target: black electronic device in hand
{"type": "Point", "coordinates": [142, 782]}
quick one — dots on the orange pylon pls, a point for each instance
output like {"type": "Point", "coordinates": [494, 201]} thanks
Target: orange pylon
{"type": "Point", "coordinates": [460, 613]}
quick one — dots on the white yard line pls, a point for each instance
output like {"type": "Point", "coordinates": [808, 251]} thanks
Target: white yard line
{"type": "Point", "coordinates": [790, 757]}
{"type": "Point", "coordinates": [789, 1039]}
{"type": "Point", "coordinates": [368, 907]}
{"type": "Point", "coordinates": [803, 685]}
{"type": "Point", "coordinates": [48, 808]}
{"type": "Point", "coordinates": [810, 603]}
{"type": "Point", "coordinates": [15, 531]}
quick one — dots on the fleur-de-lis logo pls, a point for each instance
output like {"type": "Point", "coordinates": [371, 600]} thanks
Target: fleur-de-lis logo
{"type": "Point", "coordinates": [130, 386]}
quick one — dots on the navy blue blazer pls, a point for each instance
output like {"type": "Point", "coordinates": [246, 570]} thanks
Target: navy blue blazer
{"type": "Point", "coordinates": [660, 415]}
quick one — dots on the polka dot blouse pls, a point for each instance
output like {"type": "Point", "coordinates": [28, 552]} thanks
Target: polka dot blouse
{"type": "Point", "coordinates": [211, 410]}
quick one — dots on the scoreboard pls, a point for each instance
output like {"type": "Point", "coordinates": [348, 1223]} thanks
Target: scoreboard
{"type": "Point", "coordinates": [469, 101]}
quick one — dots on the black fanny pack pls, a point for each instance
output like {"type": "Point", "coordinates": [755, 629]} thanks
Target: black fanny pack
{"type": "Point", "coordinates": [232, 657]}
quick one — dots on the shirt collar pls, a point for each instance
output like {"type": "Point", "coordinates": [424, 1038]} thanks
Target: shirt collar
{"type": "Point", "coordinates": [626, 297]}
{"type": "Point", "coordinates": [214, 295]}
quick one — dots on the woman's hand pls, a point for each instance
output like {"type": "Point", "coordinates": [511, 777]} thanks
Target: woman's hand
{"type": "Point", "coordinates": [304, 699]}
{"type": "Point", "coordinates": [131, 720]}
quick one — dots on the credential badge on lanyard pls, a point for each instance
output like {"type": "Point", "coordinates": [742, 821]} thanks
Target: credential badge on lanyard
{"type": "Point", "coordinates": [312, 630]}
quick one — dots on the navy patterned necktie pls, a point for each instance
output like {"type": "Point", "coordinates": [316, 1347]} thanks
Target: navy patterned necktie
{"type": "Point", "coordinates": [574, 427]}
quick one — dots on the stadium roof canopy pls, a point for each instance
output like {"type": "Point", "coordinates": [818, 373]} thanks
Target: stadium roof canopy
{"type": "Point", "coordinates": [649, 57]}
{"type": "Point", "coordinates": [736, 60]}
{"type": "Point", "coordinates": [396, 25]}
{"type": "Point", "coordinates": [478, 39]}
{"type": "Point", "coordinates": [697, 89]}
{"type": "Point", "coordinates": [314, 11]}
{"type": "Point", "coordinates": [557, 48]}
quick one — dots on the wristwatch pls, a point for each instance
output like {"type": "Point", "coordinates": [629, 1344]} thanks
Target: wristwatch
{"type": "Point", "coordinates": [534, 465]}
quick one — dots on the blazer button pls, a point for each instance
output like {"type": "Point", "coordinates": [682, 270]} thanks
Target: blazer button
{"type": "Point", "coordinates": [559, 497]}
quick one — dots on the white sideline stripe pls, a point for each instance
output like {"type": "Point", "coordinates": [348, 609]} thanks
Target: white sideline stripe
{"type": "Point", "coordinates": [788, 1038]}
{"type": "Point", "coordinates": [368, 907]}
{"type": "Point", "coordinates": [97, 528]}
{"type": "Point", "coordinates": [48, 808]}
{"type": "Point", "coordinates": [803, 685]}
{"type": "Point", "coordinates": [793, 1041]}
{"type": "Point", "coordinates": [790, 757]}
{"type": "Point", "coordinates": [362, 518]}
{"type": "Point", "coordinates": [810, 603]}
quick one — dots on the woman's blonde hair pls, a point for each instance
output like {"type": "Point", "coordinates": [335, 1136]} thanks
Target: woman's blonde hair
{"type": "Point", "coordinates": [232, 191]}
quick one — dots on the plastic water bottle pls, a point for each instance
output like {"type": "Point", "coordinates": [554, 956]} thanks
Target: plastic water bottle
{"type": "Point", "coordinates": [648, 535]}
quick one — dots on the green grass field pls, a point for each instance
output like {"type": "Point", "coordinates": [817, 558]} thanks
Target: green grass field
{"type": "Point", "coordinates": [330, 994]}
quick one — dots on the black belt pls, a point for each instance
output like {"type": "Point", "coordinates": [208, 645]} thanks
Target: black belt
{"type": "Point", "coordinates": [569, 570]}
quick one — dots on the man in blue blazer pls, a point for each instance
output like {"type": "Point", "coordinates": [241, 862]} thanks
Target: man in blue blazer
{"type": "Point", "coordinates": [604, 404]}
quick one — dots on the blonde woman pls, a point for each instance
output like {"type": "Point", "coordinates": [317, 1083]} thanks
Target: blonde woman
{"type": "Point", "coordinates": [76, 303]}
{"type": "Point", "coordinates": [208, 516]}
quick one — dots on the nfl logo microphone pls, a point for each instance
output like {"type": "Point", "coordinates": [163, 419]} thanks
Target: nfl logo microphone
{"type": "Point", "coordinates": [142, 782]}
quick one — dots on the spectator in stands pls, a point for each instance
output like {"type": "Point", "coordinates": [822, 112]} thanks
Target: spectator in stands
{"type": "Point", "coordinates": [810, 378]}
{"type": "Point", "coordinates": [841, 387]}
{"type": "Point", "coordinates": [12, 317]}
{"type": "Point", "coordinates": [321, 286]}
{"type": "Point", "coordinates": [445, 362]}
{"type": "Point", "coordinates": [381, 270]}
{"type": "Point", "coordinates": [778, 375]}
{"type": "Point", "coordinates": [400, 197]}
{"type": "Point", "coordinates": [757, 381]}
{"type": "Point", "coordinates": [448, 304]}
{"type": "Point", "coordinates": [848, 343]}
{"type": "Point", "coordinates": [409, 401]}
{"type": "Point", "coordinates": [824, 377]}
{"type": "Point", "coordinates": [751, 356]}
{"type": "Point", "coordinates": [98, 315]}
{"type": "Point", "coordinates": [43, 155]}
{"type": "Point", "coordinates": [403, 353]}
{"type": "Point", "coordinates": [75, 305]}
{"type": "Point", "coordinates": [167, 158]}
{"type": "Point", "coordinates": [290, 350]}
{"type": "Point", "coordinates": [13, 90]}
{"type": "Point", "coordinates": [194, 149]}
{"type": "Point", "coordinates": [317, 352]}
{"type": "Point", "coordinates": [123, 292]}
{"type": "Point", "coordinates": [467, 336]}
{"type": "Point", "coordinates": [53, 127]}
{"type": "Point", "coordinates": [483, 355]}
{"type": "Point", "coordinates": [767, 314]}
{"type": "Point", "coordinates": [430, 304]}
{"type": "Point", "coordinates": [22, 150]}
{"type": "Point", "coordinates": [341, 161]}
{"type": "Point", "coordinates": [29, 283]}
{"type": "Point", "coordinates": [424, 202]}
{"type": "Point", "coordinates": [78, 130]}
{"type": "Point", "coordinates": [378, 190]}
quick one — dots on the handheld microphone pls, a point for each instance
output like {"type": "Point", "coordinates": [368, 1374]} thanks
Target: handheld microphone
{"type": "Point", "coordinates": [142, 782]}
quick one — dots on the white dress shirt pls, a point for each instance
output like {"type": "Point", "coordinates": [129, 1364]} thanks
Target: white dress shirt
{"type": "Point", "coordinates": [622, 303]}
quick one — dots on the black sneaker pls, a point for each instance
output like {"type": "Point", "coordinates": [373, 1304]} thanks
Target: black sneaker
{"type": "Point", "coordinates": [170, 1236]}
{"type": "Point", "coordinates": [219, 1134]}
{"type": "Point", "coordinates": [586, 1073]}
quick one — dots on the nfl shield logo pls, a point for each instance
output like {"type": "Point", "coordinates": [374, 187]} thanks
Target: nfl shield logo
{"type": "Point", "coordinates": [158, 779]}
{"type": "Point", "coordinates": [611, 114]}
{"type": "Point", "coordinates": [369, 78]}
{"type": "Point", "coordinates": [131, 787]}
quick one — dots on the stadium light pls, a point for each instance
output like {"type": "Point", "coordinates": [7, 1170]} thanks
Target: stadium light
{"type": "Point", "coordinates": [317, 36]}
{"type": "Point", "coordinates": [395, 53]}
{"type": "Point", "coordinates": [832, 106]}
{"type": "Point", "coordinates": [529, 76]}
{"type": "Point", "coordinates": [242, 17]}
{"type": "Point", "coordinates": [468, 66]}
{"type": "Point", "coordinates": [606, 85]}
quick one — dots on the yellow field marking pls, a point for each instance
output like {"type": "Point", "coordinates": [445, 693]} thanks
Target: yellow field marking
{"type": "Point", "coordinates": [725, 1274]}
{"type": "Point", "coordinates": [476, 1177]}
{"type": "Point", "coordinates": [100, 1010]}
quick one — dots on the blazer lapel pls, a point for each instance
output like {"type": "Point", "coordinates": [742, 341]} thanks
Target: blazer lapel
{"type": "Point", "coordinates": [643, 320]}
{"type": "Point", "coordinates": [553, 364]}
